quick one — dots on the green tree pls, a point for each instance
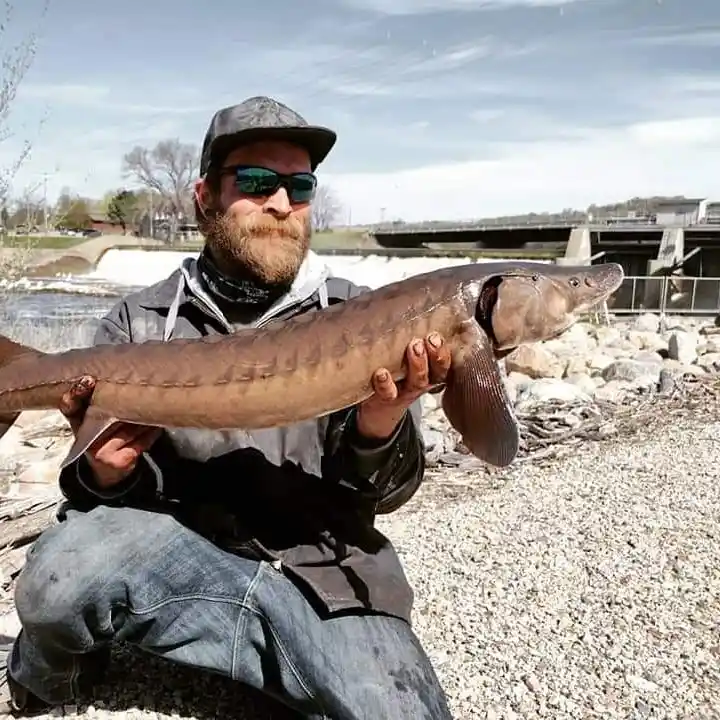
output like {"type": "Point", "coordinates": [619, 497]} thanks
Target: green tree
{"type": "Point", "coordinates": [77, 216]}
{"type": "Point", "coordinates": [123, 208]}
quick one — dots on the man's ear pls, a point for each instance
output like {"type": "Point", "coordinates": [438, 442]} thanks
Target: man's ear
{"type": "Point", "coordinates": [202, 195]}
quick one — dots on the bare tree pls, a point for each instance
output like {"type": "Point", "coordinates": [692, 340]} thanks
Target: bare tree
{"type": "Point", "coordinates": [326, 209]}
{"type": "Point", "coordinates": [15, 61]}
{"type": "Point", "coordinates": [169, 169]}
{"type": "Point", "coordinates": [16, 58]}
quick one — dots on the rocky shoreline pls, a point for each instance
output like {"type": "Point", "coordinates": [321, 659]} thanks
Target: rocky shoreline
{"type": "Point", "coordinates": [592, 372]}
{"type": "Point", "coordinates": [583, 580]}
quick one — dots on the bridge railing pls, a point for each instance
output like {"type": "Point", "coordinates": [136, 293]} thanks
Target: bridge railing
{"type": "Point", "coordinates": [666, 295]}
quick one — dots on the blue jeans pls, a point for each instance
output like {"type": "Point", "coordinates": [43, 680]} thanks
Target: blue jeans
{"type": "Point", "coordinates": [143, 578]}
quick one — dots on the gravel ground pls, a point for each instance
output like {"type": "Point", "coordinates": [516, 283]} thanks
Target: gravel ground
{"type": "Point", "coordinates": [573, 588]}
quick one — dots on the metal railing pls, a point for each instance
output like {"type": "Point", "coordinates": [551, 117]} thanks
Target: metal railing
{"type": "Point", "coordinates": [666, 295]}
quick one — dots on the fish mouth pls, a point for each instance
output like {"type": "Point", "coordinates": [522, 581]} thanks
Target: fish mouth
{"type": "Point", "coordinates": [486, 302]}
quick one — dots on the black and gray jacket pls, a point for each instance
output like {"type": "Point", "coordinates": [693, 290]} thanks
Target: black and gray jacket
{"type": "Point", "coordinates": [303, 497]}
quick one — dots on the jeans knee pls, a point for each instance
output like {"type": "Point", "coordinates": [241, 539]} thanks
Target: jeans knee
{"type": "Point", "coordinates": [55, 579]}
{"type": "Point", "coordinates": [71, 564]}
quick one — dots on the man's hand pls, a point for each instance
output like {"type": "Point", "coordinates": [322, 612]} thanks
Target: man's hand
{"type": "Point", "coordinates": [428, 362]}
{"type": "Point", "coordinates": [114, 455]}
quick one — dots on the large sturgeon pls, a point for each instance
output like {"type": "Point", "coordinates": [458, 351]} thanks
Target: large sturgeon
{"type": "Point", "coordinates": [320, 362]}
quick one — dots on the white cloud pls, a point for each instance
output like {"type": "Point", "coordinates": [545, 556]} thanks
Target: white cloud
{"type": "Point", "coordinates": [69, 93]}
{"type": "Point", "coordinates": [675, 157]}
{"type": "Point", "coordinates": [682, 37]}
{"type": "Point", "coordinates": [102, 97]}
{"type": "Point", "coordinates": [419, 7]}
{"type": "Point", "coordinates": [682, 132]}
{"type": "Point", "coordinates": [382, 67]}
{"type": "Point", "coordinates": [485, 115]}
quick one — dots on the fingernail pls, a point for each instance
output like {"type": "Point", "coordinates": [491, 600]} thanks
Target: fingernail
{"type": "Point", "coordinates": [382, 376]}
{"type": "Point", "coordinates": [419, 348]}
{"type": "Point", "coordinates": [435, 340]}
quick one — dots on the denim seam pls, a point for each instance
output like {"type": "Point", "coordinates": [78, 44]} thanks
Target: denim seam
{"type": "Point", "coordinates": [74, 677]}
{"type": "Point", "coordinates": [242, 619]}
{"type": "Point", "coordinates": [299, 676]}
{"type": "Point", "coordinates": [255, 611]}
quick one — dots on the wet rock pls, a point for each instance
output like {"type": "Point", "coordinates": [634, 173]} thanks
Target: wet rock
{"type": "Point", "coordinates": [630, 370]}
{"type": "Point", "coordinates": [547, 390]}
{"type": "Point", "coordinates": [683, 346]}
{"type": "Point", "coordinates": [535, 362]}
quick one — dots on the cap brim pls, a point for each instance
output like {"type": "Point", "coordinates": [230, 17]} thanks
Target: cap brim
{"type": "Point", "coordinates": [317, 140]}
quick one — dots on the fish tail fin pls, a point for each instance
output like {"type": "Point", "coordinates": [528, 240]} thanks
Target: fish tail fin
{"type": "Point", "coordinates": [10, 351]}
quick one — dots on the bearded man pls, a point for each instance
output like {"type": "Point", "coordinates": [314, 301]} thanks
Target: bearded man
{"type": "Point", "coordinates": [252, 555]}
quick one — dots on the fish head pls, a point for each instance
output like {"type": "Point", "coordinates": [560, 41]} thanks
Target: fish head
{"type": "Point", "coordinates": [533, 304]}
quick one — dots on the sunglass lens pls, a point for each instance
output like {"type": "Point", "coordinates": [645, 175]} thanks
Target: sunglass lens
{"type": "Point", "coordinates": [261, 181]}
{"type": "Point", "coordinates": [256, 181]}
{"type": "Point", "coordinates": [303, 187]}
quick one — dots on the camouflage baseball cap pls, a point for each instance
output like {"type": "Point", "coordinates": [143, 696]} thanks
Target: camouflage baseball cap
{"type": "Point", "coordinates": [262, 118]}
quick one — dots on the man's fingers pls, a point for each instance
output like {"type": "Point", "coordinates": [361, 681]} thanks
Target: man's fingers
{"type": "Point", "coordinates": [76, 398]}
{"type": "Point", "coordinates": [428, 362]}
{"type": "Point", "coordinates": [119, 436]}
{"type": "Point", "coordinates": [123, 457]}
{"type": "Point", "coordinates": [440, 358]}
{"type": "Point", "coordinates": [384, 386]}
{"type": "Point", "coordinates": [418, 368]}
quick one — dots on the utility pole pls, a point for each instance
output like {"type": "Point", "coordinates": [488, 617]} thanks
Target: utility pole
{"type": "Point", "coordinates": [45, 206]}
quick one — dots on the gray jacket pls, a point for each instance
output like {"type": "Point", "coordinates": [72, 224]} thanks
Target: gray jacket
{"type": "Point", "coordinates": [303, 497]}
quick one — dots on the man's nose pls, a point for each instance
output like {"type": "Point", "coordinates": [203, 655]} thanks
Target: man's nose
{"type": "Point", "coordinates": [278, 203]}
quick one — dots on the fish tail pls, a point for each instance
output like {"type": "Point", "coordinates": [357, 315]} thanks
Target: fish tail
{"type": "Point", "coordinates": [10, 351]}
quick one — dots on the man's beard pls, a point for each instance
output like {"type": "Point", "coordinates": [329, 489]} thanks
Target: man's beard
{"type": "Point", "coordinates": [260, 245]}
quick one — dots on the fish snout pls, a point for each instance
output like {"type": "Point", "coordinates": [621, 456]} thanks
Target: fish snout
{"type": "Point", "coordinates": [594, 284]}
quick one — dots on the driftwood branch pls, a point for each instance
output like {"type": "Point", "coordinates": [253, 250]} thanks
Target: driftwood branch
{"type": "Point", "coordinates": [21, 522]}
{"type": "Point", "coordinates": [549, 429]}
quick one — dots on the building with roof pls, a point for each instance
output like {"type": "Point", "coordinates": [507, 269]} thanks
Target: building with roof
{"type": "Point", "coordinates": [689, 211]}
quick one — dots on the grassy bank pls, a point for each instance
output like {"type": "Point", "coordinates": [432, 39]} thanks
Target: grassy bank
{"type": "Point", "coordinates": [320, 241]}
{"type": "Point", "coordinates": [41, 242]}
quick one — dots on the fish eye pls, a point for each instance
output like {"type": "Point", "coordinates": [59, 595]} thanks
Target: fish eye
{"type": "Point", "coordinates": [574, 282]}
{"type": "Point", "coordinates": [535, 278]}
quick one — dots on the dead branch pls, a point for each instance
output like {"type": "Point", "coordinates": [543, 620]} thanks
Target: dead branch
{"type": "Point", "coordinates": [15, 62]}
{"type": "Point", "coordinates": [549, 429]}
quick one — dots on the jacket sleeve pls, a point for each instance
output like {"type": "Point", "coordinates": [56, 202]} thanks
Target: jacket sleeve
{"type": "Point", "coordinates": [76, 481]}
{"type": "Point", "coordinates": [390, 472]}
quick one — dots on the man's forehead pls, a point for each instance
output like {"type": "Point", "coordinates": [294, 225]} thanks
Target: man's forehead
{"type": "Point", "coordinates": [276, 151]}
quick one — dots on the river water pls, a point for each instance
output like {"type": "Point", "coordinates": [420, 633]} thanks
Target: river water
{"type": "Point", "coordinates": [52, 321]}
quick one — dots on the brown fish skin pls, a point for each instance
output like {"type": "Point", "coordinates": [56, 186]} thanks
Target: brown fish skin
{"type": "Point", "coordinates": [317, 363]}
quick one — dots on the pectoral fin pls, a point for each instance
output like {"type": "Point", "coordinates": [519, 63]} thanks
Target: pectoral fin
{"type": "Point", "coordinates": [477, 404]}
{"type": "Point", "coordinates": [96, 422]}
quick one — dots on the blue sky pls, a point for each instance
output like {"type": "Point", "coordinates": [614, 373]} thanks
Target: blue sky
{"type": "Point", "coordinates": [448, 109]}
